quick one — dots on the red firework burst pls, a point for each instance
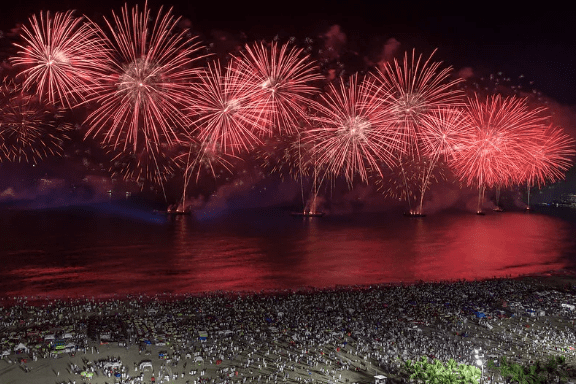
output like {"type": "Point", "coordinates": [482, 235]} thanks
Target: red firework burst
{"type": "Point", "coordinates": [30, 130]}
{"type": "Point", "coordinates": [283, 78]}
{"type": "Point", "coordinates": [444, 133]}
{"type": "Point", "coordinates": [146, 80]}
{"type": "Point", "coordinates": [415, 88]}
{"type": "Point", "coordinates": [352, 131]}
{"type": "Point", "coordinates": [549, 157]}
{"type": "Point", "coordinates": [503, 132]}
{"type": "Point", "coordinates": [60, 55]}
{"type": "Point", "coordinates": [227, 111]}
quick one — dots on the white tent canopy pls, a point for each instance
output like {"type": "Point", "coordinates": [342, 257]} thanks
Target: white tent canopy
{"type": "Point", "coordinates": [146, 364]}
{"type": "Point", "coordinates": [114, 365]}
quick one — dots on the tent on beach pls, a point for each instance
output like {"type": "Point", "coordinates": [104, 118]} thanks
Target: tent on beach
{"type": "Point", "coordinates": [112, 365]}
{"type": "Point", "coordinates": [380, 379]}
{"type": "Point", "coordinates": [21, 348]}
{"type": "Point", "coordinates": [146, 364]}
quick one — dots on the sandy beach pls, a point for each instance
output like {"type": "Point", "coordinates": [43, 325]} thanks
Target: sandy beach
{"type": "Point", "coordinates": [341, 335]}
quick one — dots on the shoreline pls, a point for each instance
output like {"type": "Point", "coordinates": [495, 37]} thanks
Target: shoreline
{"type": "Point", "coordinates": [563, 275]}
{"type": "Point", "coordinates": [311, 335]}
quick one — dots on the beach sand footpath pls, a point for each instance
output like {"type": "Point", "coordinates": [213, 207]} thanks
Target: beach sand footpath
{"type": "Point", "coordinates": [340, 335]}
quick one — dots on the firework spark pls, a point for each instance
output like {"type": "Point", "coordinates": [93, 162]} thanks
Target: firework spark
{"type": "Point", "coordinates": [503, 130]}
{"type": "Point", "coordinates": [415, 88]}
{"type": "Point", "coordinates": [203, 158]}
{"type": "Point", "coordinates": [283, 78]}
{"type": "Point", "coordinates": [444, 133]}
{"type": "Point", "coordinates": [405, 180]}
{"type": "Point", "coordinates": [286, 155]}
{"type": "Point", "coordinates": [151, 163]}
{"type": "Point", "coordinates": [146, 80]}
{"type": "Point", "coordinates": [30, 130]}
{"type": "Point", "coordinates": [226, 109]}
{"type": "Point", "coordinates": [549, 157]}
{"type": "Point", "coordinates": [351, 131]}
{"type": "Point", "coordinates": [60, 55]}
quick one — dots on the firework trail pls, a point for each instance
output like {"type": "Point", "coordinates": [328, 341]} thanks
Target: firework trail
{"type": "Point", "coordinates": [201, 159]}
{"type": "Point", "coordinates": [146, 78]}
{"type": "Point", "coordinates": [286, 155]}
{"type": "Point", "coordinates": [30, 129]}
{"type": "Point", "coordinates": [503, 131]}
{"type": "Point", "coordinates": [415, 88]}
{"type": "Point", "coordinates": [403, 181]}
{"type": "Point", "coordinates": [351, 131]}
{"type": "Point", "coordinates": [151, 163]}
{"type": "Point", "coordinates": [204, 159]}
{"type": "Point", "coordinates": [444, 132]}
{"type": "Point", "coordinates": [227, 112]}
{"type": "Point", "coordinates": [283, 78]}
{"type": "Point", "coordinates": [292, 155]}
{"type": "Point", "coordinates": [60, 55]}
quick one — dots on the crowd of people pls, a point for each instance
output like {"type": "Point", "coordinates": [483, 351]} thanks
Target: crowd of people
{"type": "Point", "coordinates": [339, 335]}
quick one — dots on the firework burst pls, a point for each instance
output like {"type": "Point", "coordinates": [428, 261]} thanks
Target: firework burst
{"type": "Point", "coordinates": [283, 78]}
{"type": "Point", "coordinates": [226, 110]}
{"type": "Point", "coordinates": [549, 157]}
{"type": "Point", "coordinates": [502, 132]}
{"type": "Point", "coordinates": [415, 88]}
{"type": "Point", "coordinates": [351, 131]}
{"type": "Point", "coordinates": [60, 55]}
{"type": "Point", "coordinates": [30, 129]}
{"type": "Point", "coordinates": [146, 80]}
{"type": "Point", "coordinates": [444, 133]}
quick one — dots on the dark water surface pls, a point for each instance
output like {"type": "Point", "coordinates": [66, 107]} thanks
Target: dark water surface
{"type": "Point", "coordinates": [106, 250]}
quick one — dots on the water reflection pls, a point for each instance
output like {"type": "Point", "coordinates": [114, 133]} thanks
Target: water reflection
{"type": "Point", "coordinates": [104, 255]}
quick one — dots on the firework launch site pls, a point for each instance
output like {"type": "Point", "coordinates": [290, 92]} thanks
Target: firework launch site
{"type": "Point", "coordinates": [152, 106]}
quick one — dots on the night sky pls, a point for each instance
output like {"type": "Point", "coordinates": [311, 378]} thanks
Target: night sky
{"type": "Point", "coordinates": [534, 41]}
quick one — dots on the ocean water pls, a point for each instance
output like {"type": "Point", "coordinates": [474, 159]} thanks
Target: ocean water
{"type": "Point", "coordinates": [113, 250]}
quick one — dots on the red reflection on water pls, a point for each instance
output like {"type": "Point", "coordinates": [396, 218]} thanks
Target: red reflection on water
{"type": "Point", "coordinates": [495, 245]}
{"type": "Point", "coordinates": [462, 247]}
{"type": "Point", "coordinates": [318, 253]}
